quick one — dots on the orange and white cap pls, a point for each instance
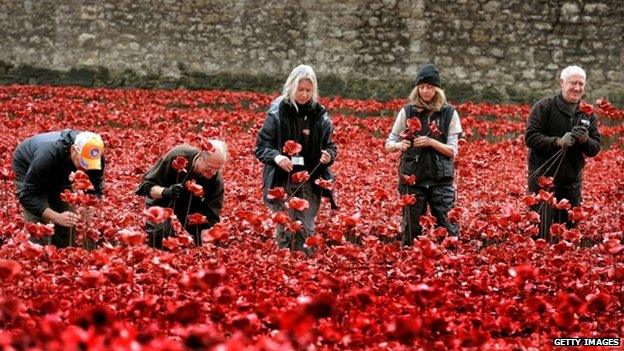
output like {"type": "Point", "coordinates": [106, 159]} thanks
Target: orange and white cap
{"type": "Point", "coordinates": [90, 148]}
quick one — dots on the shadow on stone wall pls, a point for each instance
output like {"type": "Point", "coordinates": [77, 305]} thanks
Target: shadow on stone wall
{"type": "Point", "coordinates": [329, 84]}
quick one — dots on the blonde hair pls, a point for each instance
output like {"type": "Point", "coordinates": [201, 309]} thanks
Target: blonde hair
{"type": "Point", "coordinates": [301, 72]}
{"type": "Point", "coordinates": [438, 101]}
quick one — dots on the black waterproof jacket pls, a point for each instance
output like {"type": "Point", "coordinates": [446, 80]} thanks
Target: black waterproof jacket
{"type": "Point", "coordinates": [163, 174]}
{"type": "Point", "coordinates": [42, 165]}
{"type": "Point", "coordinates": [279, 127]}
{"type": "Point", "coordinates": [548, 121]}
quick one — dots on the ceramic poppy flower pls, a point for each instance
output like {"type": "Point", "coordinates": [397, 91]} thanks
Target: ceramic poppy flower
{"type": "Point", "coordinates": [179, 163]}
{"type": "Point", "coordinates": [314, 241]}
{"type": "Point", "coordinates": [132, 237]}
{"type": "Point", "coordinates": [300, 177]}
{"type": "Point", "coordinates": [80, 180]}
{"type": "Point", "coordinates": [277, 193]}
{"type": "Point", "coordinates": [196, 219]}
{"type": "Point", "coordinates": [292, 148]}
{"type": "Point", "coordinates": [325, 184]}
{"type": "Point", "coordinates": [216, 234]}
{"type": "Point", "coordinates": [194, 188]}
{"type": "Point", "coordinates": [298, 204]}
{"type": "Point", "coordinates": [9, 269]}
{"type": "Point", "coordinates": [433, 129]}
{"type": "Point", "coordinates": [413, 125]}
{"type": "Point", "coordinates": [407, 200]}
{"type": "Point", "coordinates": [156, 214]}
{"type": "Point", "coordinates": [294, 227]}
{"type": "Point", "coordinates": [40, 230]}
{"type": "Point", "coordinates": [280, 218]}
{"type": "Point", "coordinates": [408, 179]}
{"type": "Point", "coordinates": [351, 221]}
{"type": "Point", "coordinates": [586, 108]}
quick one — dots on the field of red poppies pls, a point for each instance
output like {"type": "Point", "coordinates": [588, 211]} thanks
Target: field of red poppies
{"type": "Point", "coordinates": [494, 288]}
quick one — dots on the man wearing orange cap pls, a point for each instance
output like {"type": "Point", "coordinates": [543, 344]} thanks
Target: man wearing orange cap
{"type": "Point", "coordinates": [42, 165]}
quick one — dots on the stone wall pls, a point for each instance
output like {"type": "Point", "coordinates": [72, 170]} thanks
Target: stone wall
{"type": "Point", "coordinates": [496, 50]}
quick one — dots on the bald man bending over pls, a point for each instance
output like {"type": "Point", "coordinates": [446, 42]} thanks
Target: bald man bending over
{"type": "Point", "coordinates": [163, 186]}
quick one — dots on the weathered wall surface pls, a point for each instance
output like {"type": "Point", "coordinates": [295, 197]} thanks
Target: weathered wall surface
{"type": "Point", "coordinates": [508, 50]}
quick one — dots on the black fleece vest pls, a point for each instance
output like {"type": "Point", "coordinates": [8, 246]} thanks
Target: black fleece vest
{"type": "Point", "coordinates": [429, 166]}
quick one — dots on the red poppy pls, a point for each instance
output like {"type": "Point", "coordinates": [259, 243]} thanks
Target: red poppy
{"type": "Point", "coordinates": [280, 218]}
{"type": "Point", "coordinates": [40, 230]}
{"type": "Point", "coordinates": [586, 108]}
{"type": "Point", "coordinates": [179, 163]}
{"type": "Point", "coordinates": [294, 227]}
{"type": "Point", "coordinates": [571, 235]}
{"type": "Point", "coordinates": [315, 240]}
{"type": "Point", "coordinates": [433, 129]}
{"type": "Point", "coordinates": [300, 177]}
{"type": "Point", "coordinates": [156, 214]}
{"type": "Point", "coordinates": [132, 237]}
{"type": "Point", "coordinates": [80, 180]}
{"type": "Point", "coordinates": [172, 243]}
{"type": "Point", "coordinates": [277, 194]}
{"type": "Point", "coordinates": [557, 229]}
{"type": "Point", "coordinates": [454, 215]}
{"type": "Point", "coordinates": [544, 195]}
{"type": "Point", "coordinates": [196, 219]}
{"type": "Point", "coordinates": [564, 204]}
{"type": "Point", "coordinates": [545, 182]}
{"type": "Point", "coordinates": [298, 204]}
{"type": "Point", "coordinates": [522, 272]}
{"type": "Point", "coordinates": [577, 214]}
{"type": "Point", "coordinates": [323, 183]}
{"type": "Point", "coordinates": [292, 148]}
{"type": "Point", "coordinates": [91, 278]}
{"type": "Point", "coordinates": [216, 234]}
{"type": "Point", "coordinates": [352, 220]}
{"type": "Point", "coordinates": [530, 200]}
{"type": "Point", "coordinates": [408, 179]}
{"type": "Point", "coordinates": [6, 173]}
{"type": "Point", "coordinates": [9, 269]}
{"type": "Point", "coordinates": [335, 234]}
{"type": "Point", "coordinates": [407, 200]}
{"type": "Point", "coordinates": [413, 125]}
{"type": "Point", "coordinates": [194, 188]}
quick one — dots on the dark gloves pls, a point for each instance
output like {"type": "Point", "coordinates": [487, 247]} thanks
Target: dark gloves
{"type": "Point", "coordinates": [580, 134]}
{"type": "Point", "coordinates": [566, 140]}
{"type": "Point", "coordinates": [172, 192]}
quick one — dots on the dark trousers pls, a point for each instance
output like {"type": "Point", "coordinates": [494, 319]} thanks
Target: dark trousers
{"type": "Point", "coordinates": [296, 241]}
{"type": "Point", "coordinates": [550, 215]}
{"type": "Point", "coordinates": [157, 232]}
{"type": "Point", "coordinates": [440, 198]}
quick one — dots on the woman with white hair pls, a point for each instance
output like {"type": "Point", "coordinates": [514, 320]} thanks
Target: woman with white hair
{"type": "Point", "coordinates": [426, 132]}
{"type": "Point", "coordinates": [297, 116]}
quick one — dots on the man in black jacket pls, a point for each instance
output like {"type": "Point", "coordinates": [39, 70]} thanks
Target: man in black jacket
{"type": "Point", "coordinates": [164, 186]}
{"type": "Point", "coordinates": [560, 135]}
{"type": "Point", "coordinates": [42, 165]}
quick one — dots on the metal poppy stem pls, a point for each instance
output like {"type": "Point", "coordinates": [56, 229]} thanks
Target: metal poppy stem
{"type": "Point", "coordinates": [188, 209]}
{"type": "Point", "coordinates": [302, 183]}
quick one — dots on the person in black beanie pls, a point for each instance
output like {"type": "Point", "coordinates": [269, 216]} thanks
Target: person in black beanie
{"type": "Point", "coordinates": [297, 116]}
{"type": "Point", "coordinates": [426, 132]}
